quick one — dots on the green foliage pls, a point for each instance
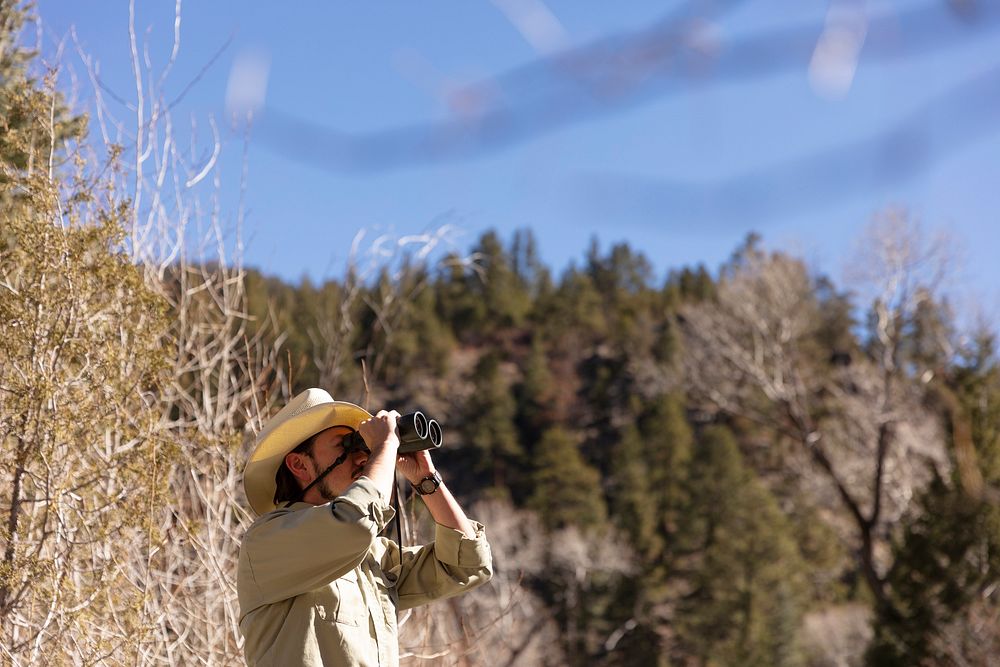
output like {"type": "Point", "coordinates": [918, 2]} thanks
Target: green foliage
{"type": "Point", "coordinates": [946, 558]}
{"type": "Point", "coordinates": [567, 490]}
{"type": "Point", "coordinates": [504, 295]}
{"type": "Point", "coordinates": [834, 334]}
{"type": "Point", "coordinates": [489, 423]}
{"type": "Point", "coordinates": [634, 504]}
{"type": "Point", "coordinates": [574, 310]}
{"type": "Point", "coordinates": [535, 394]}
{"type": "Point", "coordinates": [650, 468]}
{"type": "Point", "coordinates": [527, 265]}
{"type": "Point", "coordinates": [690, 285]}
{"type": "Point", "coordinates": [623, 271]}
{"type": "Point", "coordinates": [421, 343]}
{"type": "Point", "coordinates": [457, 304]}
{"type": "Point", "coordinates": [490, 292]}
{"type": "Point", "coordinates": [977, 377]}
{"type": "Point", "coordinates": [748, 590]}
{"type": "Point", "coordinates": [291, 313]}
{"type": "Point", "coordinates": [668, 442]}
{"type": "Point", "coordinates": [826, 557]}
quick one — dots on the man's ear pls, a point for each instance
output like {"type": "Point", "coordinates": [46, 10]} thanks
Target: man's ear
{"type": "Point", "coordinates": [296, 464]}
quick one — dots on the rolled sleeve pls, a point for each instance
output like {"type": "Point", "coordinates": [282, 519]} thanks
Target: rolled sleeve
{"type": "Point", "coordinates": [449, 565]}
{"type": "Point", "coordinates": [454, 548]}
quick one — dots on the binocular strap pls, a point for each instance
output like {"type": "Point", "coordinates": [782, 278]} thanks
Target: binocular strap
{"type": "Point", "coordinates": [297, 498]}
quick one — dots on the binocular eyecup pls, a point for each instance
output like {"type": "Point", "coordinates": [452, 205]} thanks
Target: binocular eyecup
{"type": "Point", "coordinates": [416, 433]}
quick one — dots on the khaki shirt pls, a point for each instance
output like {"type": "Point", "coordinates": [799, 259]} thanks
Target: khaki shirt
{"type": "Point", "coordinates": [317, 586]}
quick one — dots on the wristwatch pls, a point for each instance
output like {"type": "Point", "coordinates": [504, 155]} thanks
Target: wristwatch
{"type": "Point", "coordinates": [429, 484]}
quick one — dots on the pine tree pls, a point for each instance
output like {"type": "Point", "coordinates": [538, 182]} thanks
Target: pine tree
{"type": "Point", "coordinates": [567, 490]}
{"type": "Point", "coordinates": [606, 395]}
{"type": "Point", "coordinates": [748, 591]}
{"type": "Point", "coordinates": [623, 279]}
{"type": "Point", "coordinates": [423, 343]}
{"type": "Point", "coordinates": [535, 395]}
{"type": "Point", "coordinates": [489, 424]}
{"type": "Point", "coordinates": [634, 503]}
{"type": "Point", "coordinates": [622, 272]}
{"type": "Point", "coordinates": [977, 381]}
{"type": "Point", "coordinates": [459, 302]}
{"type": "Point", "coordinates": [527, 265]}
{"type": "Point", "coordinates": [667, 440]}
{"type": "Point", "coordinates": [689, 285]}
{"type": "Point", "coordinates": [835, 333]}
{"type": "Point", "coordinates": [575, 311]}
{"type": "Point", "coordinates": [504, 294]}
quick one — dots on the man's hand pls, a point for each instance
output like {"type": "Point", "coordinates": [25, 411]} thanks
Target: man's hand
{"type": "Point", "coordinates": [380, 430]}
{"type": "Point", "coordinates": [442, 505]}
{"type": "Point", "coordinates": [415, 466]}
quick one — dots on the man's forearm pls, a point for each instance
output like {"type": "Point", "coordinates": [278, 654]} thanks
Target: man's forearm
{"type": "Point", "coordinates": [446, 511]}
{"type": "Point", "coordinates": [382, 438]}
{"type": "Point", "coordinates": [381, 469]}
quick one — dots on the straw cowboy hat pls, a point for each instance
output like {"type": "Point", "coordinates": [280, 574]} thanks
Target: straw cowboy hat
{"type": "Point", "coordinates": [307, 414]}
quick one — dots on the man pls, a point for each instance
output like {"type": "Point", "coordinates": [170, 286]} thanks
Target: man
{"type": "Point", "coordinates": [317, 585]}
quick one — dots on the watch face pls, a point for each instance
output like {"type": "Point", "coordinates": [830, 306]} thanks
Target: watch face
{"type": "Point", "coordinates": [427, 486]}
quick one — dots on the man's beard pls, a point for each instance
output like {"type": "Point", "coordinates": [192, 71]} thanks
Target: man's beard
{"type": "Point", "coordinates": [325, 491]}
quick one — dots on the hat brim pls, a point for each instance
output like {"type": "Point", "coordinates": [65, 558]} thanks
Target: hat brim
{"type": "Point", "coordinates": [274, 444]}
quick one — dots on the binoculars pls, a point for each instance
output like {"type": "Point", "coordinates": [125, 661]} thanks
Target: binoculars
{"type": "Point", "coordinates": [416, 433]}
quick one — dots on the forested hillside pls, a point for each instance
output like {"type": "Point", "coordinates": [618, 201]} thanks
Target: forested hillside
{"type": "Point", "coordinates": [749, 464]}
{"type": "Point", "coordinates": [784, 469]}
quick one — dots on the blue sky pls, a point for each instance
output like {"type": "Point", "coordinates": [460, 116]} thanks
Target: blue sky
{"type": "Point", "coordinates": [397, 117]}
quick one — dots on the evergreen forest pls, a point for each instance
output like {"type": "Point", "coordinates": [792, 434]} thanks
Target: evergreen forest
{"type": "Point", "coordinates": [765, 470]}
